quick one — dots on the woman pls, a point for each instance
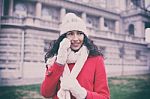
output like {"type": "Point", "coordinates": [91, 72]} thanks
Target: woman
{"type": "Point", "coordinates": [75, 66]}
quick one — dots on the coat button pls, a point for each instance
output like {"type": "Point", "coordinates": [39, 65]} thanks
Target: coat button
{"type": "Point", "coordinates": [49, 73]}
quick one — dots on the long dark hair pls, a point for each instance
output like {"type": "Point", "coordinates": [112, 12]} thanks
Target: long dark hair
{"type": "Point", "coordinates": [93, 50]}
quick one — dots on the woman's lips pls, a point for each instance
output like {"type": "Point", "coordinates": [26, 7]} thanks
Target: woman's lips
{"type": "Point", "coordinates": [75, 44]}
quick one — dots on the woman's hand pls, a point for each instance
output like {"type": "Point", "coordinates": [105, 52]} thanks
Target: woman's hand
{"type": "Point", "coordinates": [63, 51]}
{"type": "Point", "coordinates": [74, 87]}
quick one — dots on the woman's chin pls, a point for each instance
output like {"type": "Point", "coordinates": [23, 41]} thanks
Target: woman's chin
{"type": "Point", "coordinates": [75, 48]}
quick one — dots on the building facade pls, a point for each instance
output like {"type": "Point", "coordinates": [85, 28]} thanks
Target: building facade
{"type": "Point", "coordinates": [27, 27]}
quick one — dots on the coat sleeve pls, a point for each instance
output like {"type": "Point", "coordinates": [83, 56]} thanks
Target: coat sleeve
{"type": "Point", "coordinates": [101, 89]}
{"type": "Point", "coordinates": [49, 85]}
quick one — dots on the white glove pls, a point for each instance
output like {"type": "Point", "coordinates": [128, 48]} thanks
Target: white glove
{"type": "Point", "coordinates": [78, 91]}
{"type": "Point", "coordinates": [62, 51]}
{"type": "Point", "coordinates": [74, 87]}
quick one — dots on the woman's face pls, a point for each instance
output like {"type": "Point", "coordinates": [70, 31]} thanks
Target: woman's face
{"type": "Point", "coordinates": [76, 38]}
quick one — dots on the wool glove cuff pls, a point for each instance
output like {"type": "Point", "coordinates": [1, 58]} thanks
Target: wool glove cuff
{"type": "Point", "coordinates": [62, 51]}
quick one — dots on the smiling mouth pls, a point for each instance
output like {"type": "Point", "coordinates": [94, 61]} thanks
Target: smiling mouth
{"type": "Point", "coordinates": [75, 45]}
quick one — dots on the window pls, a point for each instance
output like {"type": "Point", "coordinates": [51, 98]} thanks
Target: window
{"type": "Point", "coordinates": [93, 22]}
{"type": "Point", "coordinates": [23, 9]}
{"type": "Point", "coordinates": [20, 10]}
{"type": "Point", "coordinates": [6, 7]}
{"type": "Point", "coordinates": [20, 7]}
{"type": "Point", "coordinates": [121, 52]}
{"type": "Point", "coordinates": [136, 2]}
{"type": "Point", "coordinates": [109, 24]}
{"type": "Point", "coordinates": [138, 54]}
{"type": "Point", "coordinates": [46, 14]}
{"type": "Point", "coordinates": [50, 13]}
{"type": "Point", "coordinates": [131, 29]}
{"type": "Point", "coordinates": [31, 9]}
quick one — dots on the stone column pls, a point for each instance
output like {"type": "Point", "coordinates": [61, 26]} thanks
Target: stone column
{"type": "Point", "coordinates": [38, 13]}
{"type": "Point", "coordinates": [62, 13]}
{"type": "Point", "coordinates": [101, 22]}
{"type": "Point", "coordinates": [11, 5]}
{"type": "Point", "coordinates": [117, 27]}
{"type": "Point", "coordinates": [139, 29]}
{"type": "Point", "coordinates": [117, 5]}
{"type": "Point", "coordinates": [38, 9]}
{"type": "Point", "coordinates": [84, 16]}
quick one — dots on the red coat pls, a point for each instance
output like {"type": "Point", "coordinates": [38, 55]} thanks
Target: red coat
{"type": "Point", "coordinates": [92, 77]}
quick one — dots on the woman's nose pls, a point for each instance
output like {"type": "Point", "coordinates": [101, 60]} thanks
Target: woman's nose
{"type": "Point", "coordinates": [75, 37]}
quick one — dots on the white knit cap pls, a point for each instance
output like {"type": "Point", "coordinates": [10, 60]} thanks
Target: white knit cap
{"type": "Point", "coordinates": [72, 22]}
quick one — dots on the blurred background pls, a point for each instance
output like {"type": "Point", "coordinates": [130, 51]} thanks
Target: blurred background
{"type": "Point", "coordinates": [120, 29]}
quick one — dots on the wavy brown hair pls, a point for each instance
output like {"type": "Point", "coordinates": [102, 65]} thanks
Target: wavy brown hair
{"type": "Point", "coordinates": [93, 50]}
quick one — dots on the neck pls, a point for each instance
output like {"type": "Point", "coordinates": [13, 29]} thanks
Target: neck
{"type": "Point", "coordinates": [75, 50]}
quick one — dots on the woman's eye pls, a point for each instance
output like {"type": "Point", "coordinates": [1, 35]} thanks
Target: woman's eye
{"type": "Point", "coordinates": [80, 33]}
{"type": "Point", "coordinates": [69, 33]}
